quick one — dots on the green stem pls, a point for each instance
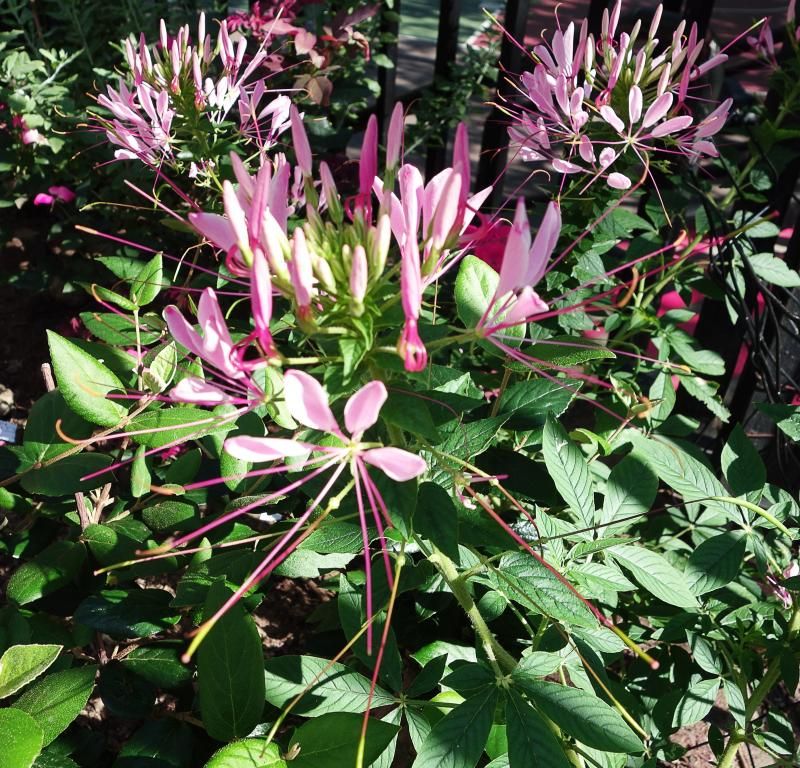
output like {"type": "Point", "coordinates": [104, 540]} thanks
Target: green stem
{"type": "Point", "coordinates": [770, 518]}
{"type": "Point", "coordinates": [502, 662]}
{"type": "Point", "coordinates": [768, 682]}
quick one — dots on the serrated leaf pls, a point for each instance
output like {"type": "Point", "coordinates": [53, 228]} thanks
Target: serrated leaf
{"type": "Point", "coordinates": [57, 699]}
{"type": "Point", "coordinates": [331, 741]}
{"type": "Point", "coordinates": [696, 703]}
{"type": "Point", "coordinates": [85, 383]}
{"type": "Point", "coordinates": [528, 402]}
{"type": "Point", "coordinates": [21, 738]}
{"type": "Point", "coordinates": [331, 687]}
{"type": "Point", "coordinates": [523, 579]}
{"type": "Point", "coordinates": [589, 719]}
{"type": "Point", "coordinates": [530, 740]}
{"type": "Point", "coordinates": [683, 473]}
{"type": "Point", "coordinates": [567, 466]}
{"type": "Point", "coordinates": [230, 670]}
{"type": "Point", "coordinates": [148, 282]}
{"type": "Point", "coordinates": [22, 664]}
{"type": "Point", "coordinates": [742, 465]}
{"type": "Point", "coordinates": [774, 270]}
{"type": "Point", "coordinates": [653, 572]}
{"type": "Point", "coordinates": [716, 562]}
{"type": "Point", "coordinates": [247, 753]}
{"type": "Point", "coordinates": [631, 489]}
{"type": "Point", "coordinates": [458, 739]}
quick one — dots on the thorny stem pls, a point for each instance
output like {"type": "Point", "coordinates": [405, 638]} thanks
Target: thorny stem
{"type": "Point", "coordinates": [739, 735]}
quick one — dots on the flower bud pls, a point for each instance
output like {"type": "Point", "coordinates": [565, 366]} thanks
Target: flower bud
{"type": "Point", "coordinates": [359, 276]}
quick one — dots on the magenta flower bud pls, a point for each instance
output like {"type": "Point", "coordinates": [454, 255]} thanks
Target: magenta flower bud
{"type": "Point", "coordinates": [43, 199]}
{"type": "Point", "coordinates": [359, 275]}
{"type": "Point", "coordinates": [394, 137]}
{"type": "Point", "coordinates": [302, 149]}
{"type": "Point", "coordinates": [301, 273]}
{"type": "Point", "coordinates": [368, 162]}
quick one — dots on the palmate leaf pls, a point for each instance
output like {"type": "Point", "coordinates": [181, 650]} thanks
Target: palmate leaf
{"type": "Point", "coordinates": [458, 739]}
{"type": "Point", "coordinates": [331, 687]}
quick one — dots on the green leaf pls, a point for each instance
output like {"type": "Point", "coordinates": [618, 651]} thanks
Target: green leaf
{"type": "Point", "coordinates": [716, 562]}
{"type": "Point", "coordinates": [589, 719]}
{"type": "Point", "coordinates": [168, 425]}
{"type": "Point", "coordinates": [700, 360]}
{"type": "Point", "coordinates": [123, 693]}
{"type": "Point", "coordinates": [469, 678]}
{"type": "Point", "coordinates": [530, 740]}
{"type": "Point", "coordinates": [109, 296]}
{"type": "Point", "coordinates": [57, 699]}
{"type": "Point", "coordinates": [567, 352]}
{"type": "Point", "coordinates": [787, 417]}
{"type": "Point", "coordinates": [528, 402]}
{"type": "Point", "coordinates": [475, 287]}
{"type": "Point", "coordinates": [85, 383]}
{"type": "Point", "coordinates": [160, 370]}
{"type": "Point", "coordinates": [119, 330]}
{"type": "Point", "coordinates": [655, 574]}
{"type": "Point", "coordinates": [683, 473]}
{"type": "Point", "coordinates": [331, 687]}
{"type": "Point", "coordinates": [63, 477]}
{"type": "Point", "coordinates": [523, 579]}
{"type": "Point", "coordinates": [230, 670]}
{"type": "Point", "coordinates": [707, 392]}
{"type": "Point", "coordinates": [165, 743]}
{"type": "Point", "coordinates": [21, 739]}
{"type": "Point", "coordinates": [248, 753]}
{"type": "Point", "coordinates": [471, 439]}
{"type": "Point", "coordinates": [128, 613]}
{"type": "Point", "coordinates": [742, 465]}
{"type": "Point", "coordinates": [54, 567]}
{"type": "Point", "coordinates": [774, 270]}
{"type": "Point", "coordinates": [140, 474]}
{"type": "Point", "coordinates": [569, 470]}
{"type": "Point", "coordinates": [22, 664]}
{"type": "Point", "coordinates": [436, 518]}
{"type": "Point", "coordinates": [159, 665]}
{"type": "Point", "coordinates": [411, 414]}
{"type": "Point", "coordinates": [458, 739]}
{"type": "Point", "coordinates": [696, 703]}
{"type": "Point", "coordinates": [169, 516]}
{"type": "Point", "coordinates": [147, 283]}
{"type": "Point", "coordinates": [331, 741]}
{"type": "Point", "coordinates": [631, 489]}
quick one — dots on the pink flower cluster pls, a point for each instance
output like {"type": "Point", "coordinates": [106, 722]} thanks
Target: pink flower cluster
{"type": "Point", "coordinates": [195, 83]}
{"type": "Point", "coordinates": [593, 103]}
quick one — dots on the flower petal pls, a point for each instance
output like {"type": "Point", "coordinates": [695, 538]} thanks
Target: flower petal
{"type": "Point", "coordinates": [214, 228]}
{"type": "Point", "coordinates": [673, 125]}
{"type": "Point", "coordinates": [307, 402]}
{"type": "Point", "coordinates": [264, 448]}
{"type": "Point", "coordinates": [194, 390]}
{"type": "Point", "coordinates": [362, 409]}
{"type": "Point", "coordinates": [618, 181]}
{"type": "Point", "coordinates": [396, 463]}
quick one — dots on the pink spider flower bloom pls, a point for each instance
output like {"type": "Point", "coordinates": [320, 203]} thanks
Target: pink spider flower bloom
{"type": "Point", "coordinates": [575, 118]}
{"type": "Point", "coordinates": [308, 404]}
{"type": "Point", "coordinates": [524, 263]}
{"type": "Point", "coordinates": [221, 358]}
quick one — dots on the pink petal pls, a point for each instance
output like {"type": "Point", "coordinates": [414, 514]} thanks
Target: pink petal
{"type": "Point", "coordinates": [263, 448]}
{"type": "Point", "coordinates": [307, 402]}
{"type": "Point", "coordinates": [612, 118]}
{"type": "Point", "coordinates": [394, 136]}
{"type": "Point", "coordinates": [362, 409]}
{"type": "Point", "coordinates": [197, 391]}
{"type": "Point", "coordinates": [527, 305]}
{"type": "Point", "coordinates": [564, 166]}
{"type": "Point", "coordinates": [302, 149]}
{"type": "Point", "coordinates": [214, 228]}
{"type": "Point", "coordinates": [657, 110]}
{"type": "Point", "coordinates": [607, 156]}
{"type": "Point", "coordinates": [618, 181]}
{"type": "Point", "coordinates": [544, 243]}
{"type": "Point", "coordinates": [516, 253]}
{"type": "Point", "coordinates": [396, 463]}
{"type": "Point", "coordinates": [673, 125]}
{"type": "Point", "coordinates": [368, 162]}
{"type": "Point", "coordinates": [236, 215]}
{"type": "Point", "coordinates": [43, 199]}
{"type": "Point", "coordinates": [585, 149]}
{"type": "Point", "coordinates": [635, 104]}
{"type": "Point", "coordinates": [181, 331]}
{"type": "Point", "coordinates": [261, 295]}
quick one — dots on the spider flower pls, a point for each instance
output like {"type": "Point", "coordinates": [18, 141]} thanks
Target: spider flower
{"type": "Point", "coordinates": [308, 404]}
{"type": "Point", "coordinates": [590, 105]}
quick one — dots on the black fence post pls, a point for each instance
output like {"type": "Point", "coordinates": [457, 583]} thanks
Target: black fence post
{"type": "Point", "coordinates": [446, 50]}
{"type": "Point", "coordinates": [494, 145]}
{"type": "Point", "coordinates": [387, 76]}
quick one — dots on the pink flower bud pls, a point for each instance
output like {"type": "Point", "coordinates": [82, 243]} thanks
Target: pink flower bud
{"type": "Point", "coordinates": [359, 275]}
{"type": "Point", "coordinates": [43, 199]}
{"type": "Point", "coordinates": [302, 149]}
{"type": "Point", "coordinates": [301, 273]}
{"type": "Point", "coordinates": [394, 137]}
